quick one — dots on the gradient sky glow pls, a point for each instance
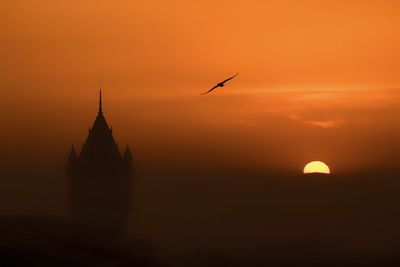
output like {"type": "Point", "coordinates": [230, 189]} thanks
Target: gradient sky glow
{"type": "Point", "coordinates": [318, 79]}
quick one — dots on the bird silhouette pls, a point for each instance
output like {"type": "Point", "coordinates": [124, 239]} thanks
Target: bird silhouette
{"type": "Point", "coordinates": [221, 84]}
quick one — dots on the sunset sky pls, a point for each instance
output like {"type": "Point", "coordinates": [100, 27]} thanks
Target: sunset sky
{"type": "Point", "coordinates": [319, 80]}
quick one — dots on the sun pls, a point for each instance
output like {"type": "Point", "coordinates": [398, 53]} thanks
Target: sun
{"type": "Point", "coordinates": [316, 167]}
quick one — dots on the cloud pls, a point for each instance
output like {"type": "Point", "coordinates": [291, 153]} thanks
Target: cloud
{"type": "Point", "coordinates": [326, 124]}
{"type": "Point", "coordinates": [321, 123]}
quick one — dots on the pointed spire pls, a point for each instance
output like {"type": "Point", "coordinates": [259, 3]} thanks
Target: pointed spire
{"type": "Point", "coordinates": [72, 154]}
{"type": "Point", "coordinates": [100, 102]}
{"type": "Point", "coordinates": [128, 153]}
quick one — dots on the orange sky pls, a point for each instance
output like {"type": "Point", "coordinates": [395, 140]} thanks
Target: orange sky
{"type": "Point", "coordinates": [318, 81]}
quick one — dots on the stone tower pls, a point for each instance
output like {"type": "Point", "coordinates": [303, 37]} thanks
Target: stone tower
{"type": "Point", "coordinates": [100, 181]}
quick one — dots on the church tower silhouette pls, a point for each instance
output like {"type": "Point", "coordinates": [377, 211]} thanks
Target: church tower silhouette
{"type": "Point", "coordinates": [100, 181]}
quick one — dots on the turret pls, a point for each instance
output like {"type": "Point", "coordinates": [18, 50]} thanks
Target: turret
{"type": "Point", "coordinates": [128, 154]}
{"type": "Point", "coordinates": [72, 160]}
{"type": "Point", "coordinates": [128, 159]}
{"type": "Point", "coordinates": [72, 155]}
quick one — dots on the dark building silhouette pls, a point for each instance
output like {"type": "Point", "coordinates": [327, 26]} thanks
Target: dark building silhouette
{"type": "Point", "coordinates": [100, 194]}
{"type": "Point", "coordinates": [100, 180]}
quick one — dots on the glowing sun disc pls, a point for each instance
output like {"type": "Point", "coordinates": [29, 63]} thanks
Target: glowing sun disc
{"type": "Point", "coordinates": [316, 167]}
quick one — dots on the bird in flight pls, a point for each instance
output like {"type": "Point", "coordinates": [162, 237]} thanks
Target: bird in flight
{"type": "Point", "coordinates": [221, 84]}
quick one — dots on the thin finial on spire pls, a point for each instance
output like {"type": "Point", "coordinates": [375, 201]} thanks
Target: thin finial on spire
{"type": "Point", "coordinates": [100, 102]}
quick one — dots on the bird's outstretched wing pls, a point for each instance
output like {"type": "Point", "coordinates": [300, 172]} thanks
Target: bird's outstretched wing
{"type": "Point", "coordinates": [211, 89]}
{"type": "Point", "coordinates": [230, 78]}
{"type": "Point", "coordinates": [220, 84]}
